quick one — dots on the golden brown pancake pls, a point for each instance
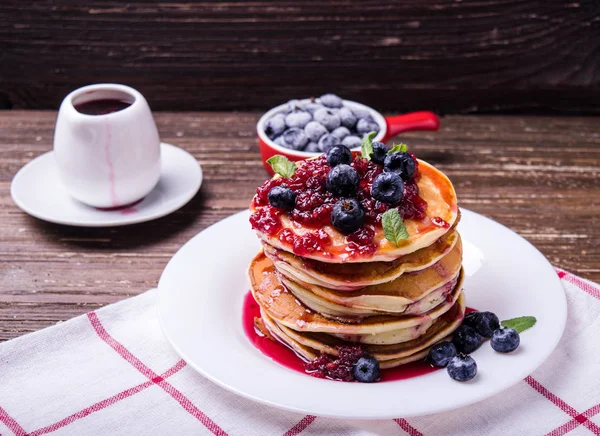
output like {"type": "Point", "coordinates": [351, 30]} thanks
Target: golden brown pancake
{"type": "Point", "coordinates": [434, 188]}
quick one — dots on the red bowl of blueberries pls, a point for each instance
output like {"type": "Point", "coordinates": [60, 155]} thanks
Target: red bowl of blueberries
{"type": "Point", "coordinates": [300, 129]}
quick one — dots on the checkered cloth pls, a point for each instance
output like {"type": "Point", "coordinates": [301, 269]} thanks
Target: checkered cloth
{"type": "Point", "coordinates": [111, 372]}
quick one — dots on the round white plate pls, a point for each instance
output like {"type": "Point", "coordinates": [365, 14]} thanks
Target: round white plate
{"type": "Point", "coordinates": [200, 306]}
{"type": "Point", "coordinates": [38, 190]}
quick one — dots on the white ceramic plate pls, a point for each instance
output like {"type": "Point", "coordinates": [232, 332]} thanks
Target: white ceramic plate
{"type": "Point", "coordinates": [38, 190]}
{"type": "Point", "coordinates": [200, 306]}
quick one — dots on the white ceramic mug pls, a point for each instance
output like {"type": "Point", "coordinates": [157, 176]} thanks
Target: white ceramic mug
{"type": "Point", "coordinates": [108, 160]}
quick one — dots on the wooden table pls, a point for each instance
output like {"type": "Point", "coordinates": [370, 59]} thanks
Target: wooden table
{"type": "Point", "coordinates": [537, 175]}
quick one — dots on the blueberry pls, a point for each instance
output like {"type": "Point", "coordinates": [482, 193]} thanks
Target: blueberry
{"type": "Point", "coordinates": [297, 118]}
{"type": "Point", "coordinates": [366, 369]}
{"type": "Point", "coordinates": [331, 100]}
{"type": "Point", "coordinates": [327, 141]}
{"type": "Point", "coordinates": [280, 141]}
{"type": "Point", "coordinates": [347, 118]}
{"type": "Point", "coordinates": [328, 118]}
{"type": "Point", "coordinates": [342, 180]}
{"type": "Point", "coordinates": [462, 368]}
{"type": "Point", "coordinates": [366, 125]}
{"type": "Point", "coordinates": [351, 141]}
{"type": "Point", "coordinates": [282, 197]}
{"type": "Point", "coordinates": [484, 323]}
{"type": "Point", "coordinates": [312, 107]}
{"type": "Point", "coordinates": [314, 130]}
{"type": "Point", "coordinates": [295, 138]}
{"type": "Point", "coordinates": [339, 155]}
{"type": "Point", "coordinates": [341, 132]}
{"type": "Point", "coordinates": [361, 113]}
{"type": "Point", "coordinates": [466, 339]}
{"type": "Point", "coordinates": [312, 147]}
{"type": "Point", "coordinates": [347, 214]}
{"type": "Point", "coordinates": [505, 340]}
{"type": "Point", "coordinates": [275, 126]}
{"type": "Point", "coordinates": [388, 188]}
{"type": "Point", "coordinates": [294, 105]}
{"type": "Point", "coordinates": [400, 163]}
{"type": "Point", "coordinates": [440, 354]}
{"type": "Point", "coordinates": [380, 151]}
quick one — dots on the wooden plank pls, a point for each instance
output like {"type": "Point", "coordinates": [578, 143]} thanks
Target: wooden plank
{"type": "Point", "coordinates": [538, 175]}
{"type": "Point", "coordinates": [461, 56]}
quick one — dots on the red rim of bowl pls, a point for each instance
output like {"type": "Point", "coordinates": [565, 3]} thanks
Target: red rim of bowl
{"type": "Point", "coordinates": [379, 119]}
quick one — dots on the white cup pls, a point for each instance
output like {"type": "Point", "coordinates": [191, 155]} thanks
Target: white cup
{"type": "Point", "coordinates": [108, 160]}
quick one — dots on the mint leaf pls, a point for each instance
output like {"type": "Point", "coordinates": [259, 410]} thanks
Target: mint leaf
{"type": "Point", "coordinates": [282, 165]}
{"type": "Point", "coordinates": [398, 147]}
{"type": "Point", "coordinates": [367, 145]}
{"type": "Point", "coordinates": [393, 226]}
{"type": "Point", "coordinates": [520, 324]}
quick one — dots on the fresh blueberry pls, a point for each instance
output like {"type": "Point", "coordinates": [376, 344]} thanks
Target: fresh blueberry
{"type": "Point", "coordinates": [294, 105]}
{"type": "Point", "coordinates": [328, 118]}
{"type": "Point", "coordinates": [388, 188]}
{"type": "Point", "coordinates": [347, 214]}
{"type": "Point", "coordinates": [366, 369]}
{"type": "Point", "coordinates": [380, 151]}
{"type": "Point", "coordinates": [339, 155]}
{"type": "Point", "coordinates": [297, 118]}
{"type": "Point", "coordinates": [351, 141]}
{"type": "Point", "coordinates": [462, 368]}
{"type": "Point", "coordinates": [361, 113]}
{"type": "Point", "coordinates": [440, 354]}
{"type": "Point", "coordinates": [466, 339]}
{"type": "Point", "coordinates": [282, 197]}
{"type": "Point", "coordinates": [505, 340]}
{"type": "Point", "coordinates": [341, 132]}
{"type": "Point", "coordinates": [400, 163]}
{"type": "Point", "coordinates": [347, 117]}
{"type": "Point", "coordinates": [331, 100]}
{"type": "Point", "coordinates": [280, 141]}
{"type": "Point", "coordinates": [484, 323]}
{"type": "Point", "coordinates": [312, 147]}
{"type": "Point", "coordinates": [296, 138]}
{"type": "Point", "coordinates": [342, 180]}
{"type": "Point", "coordinates": [366, 125]}
{"type": "Point", "coordinates": [314, 130]}
{"type": "Point", "coordinates": [275, 126]}
{"type": "Point", "coordinates": [327, 141]}
{"type": "Point", "coordinates": [312, 107]}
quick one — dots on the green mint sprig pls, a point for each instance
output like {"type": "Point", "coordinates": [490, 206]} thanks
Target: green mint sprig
{"type": "Point", "coordinates": [393, 227]}
{"type": "Point", "coordinates": [520, 324]}
{"type": "Point", "coordinates": [398, 147]}
{"type": "Point", "coordinates": [282, 165]}
{"type": "Point", "coordinates": [367, 145]}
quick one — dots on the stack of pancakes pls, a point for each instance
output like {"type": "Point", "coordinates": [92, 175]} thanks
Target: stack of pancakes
{"type": "Point", "coordinates": [395, 303]}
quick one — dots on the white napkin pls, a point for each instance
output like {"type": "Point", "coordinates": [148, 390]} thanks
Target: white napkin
{"type": "Point", "coordinates": [112, 372]}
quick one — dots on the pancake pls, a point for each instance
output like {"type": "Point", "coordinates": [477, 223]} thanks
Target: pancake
{"type": "Point", "coordinates": [441, 214]}
{"type": "Point", "coordinates": [358, 275]}
{"type": "Point", "coordinates": [283, 307]}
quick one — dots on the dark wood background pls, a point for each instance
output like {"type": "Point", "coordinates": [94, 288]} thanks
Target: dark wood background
{"type": "Point", "coordinates": [446, 56]}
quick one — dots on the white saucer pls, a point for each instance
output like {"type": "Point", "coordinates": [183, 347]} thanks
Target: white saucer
{"type": "Point", "coordinates": [201, 294]}
{"type": "Point", "coordinates": [38, 190]}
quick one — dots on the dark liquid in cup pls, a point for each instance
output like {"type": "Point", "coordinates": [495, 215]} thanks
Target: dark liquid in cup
{"type": "Point", "coordinates": [101, 107]}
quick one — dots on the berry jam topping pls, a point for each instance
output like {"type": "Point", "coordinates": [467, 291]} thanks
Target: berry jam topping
{"type": "Point", "coordinates": [266, 220]}
{"type": "Point", "coordinates": [340, 368]}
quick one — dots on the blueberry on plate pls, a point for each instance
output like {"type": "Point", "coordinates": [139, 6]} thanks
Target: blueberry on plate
{"type": "Point", "coordinates": [466, 339]}
{"type": "Point", "coordinates": [331, 100]}
{"type": "Point", "coordinates": [440, 354]}
{"type": "Point", "coordinates": [366, 369]}
{"type": "Point", "coordinates": [327, 141]}
{"type": "Point", "coordinates": [282, 197]}
{"type": "Point", "coordinates": [462, 368]}
{"type": "Point", "coordinates": [361, 113]}
{"type": "Point", "coordinates": [347, 118]}
{"type": "Point", "coordinates": [328, 118]}
{"type": "Point", "coordinates": [347, 215]}
{"type": "Point", "coordinates": [297, 118]}
{"type": "Point", "coordinates": [400, 163]}
{"type": "Point", "coordinates": [380, 151]}
{"type": "Point", "coordinates": [342, 180]}
{"type": "Point", "coordinates": [312, 147]}
{"type": "Point", "coordinates": [351, 141]}
{"type": "Point", "coordinates": [339, 155]}
{"type": "Point", "coordinates": [484, 323]}
{"type": "Point", "coordinates": [388, 188]}
{"type": "Point", "coordinates": [275, 126]}
{"type": "Point", "coordinates": [505, 340]}
{"type": "Point", "coordinates": [314, 130]}
{"type": "Point", "coordinates": [340, 133]}
{"type": "Point", "coordinates": [366, 125]}
{"type": "Point", "coordinates": [295, 137]}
